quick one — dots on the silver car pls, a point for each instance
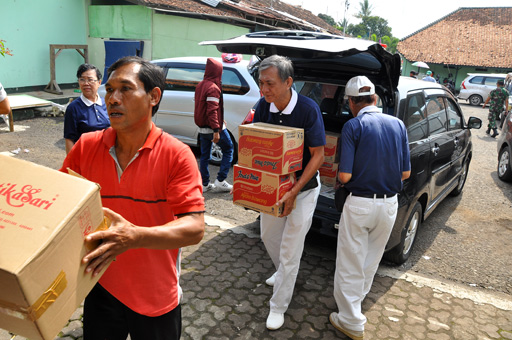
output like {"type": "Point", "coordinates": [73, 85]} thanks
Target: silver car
{"type": "Point", "coordinates": [176, 112]}
{"type": "Point", "coordinates": [476, 87]}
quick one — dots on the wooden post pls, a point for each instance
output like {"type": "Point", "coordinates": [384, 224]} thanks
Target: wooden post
{"type": "Point", "coordinates": [52, 86]}
{"type": "Point", "coordinates": [11, 123]}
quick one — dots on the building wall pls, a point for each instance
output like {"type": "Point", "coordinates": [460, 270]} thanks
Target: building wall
{"type": "Point", "coordinates": [164, 35]}
{"type": "Point", "coordinates": [175, 36]}
{"type": "Point", "coordinates": [28, 28]}
{"type": "Point", "coordinates": [458, 75]}
{"type": "Point", "coordinates": [117, 22]}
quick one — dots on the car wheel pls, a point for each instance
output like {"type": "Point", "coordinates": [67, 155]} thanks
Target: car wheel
{"type": "Point", "coordinates": [475, 100]}
{"type": "Point", "coordinates": [216, 154]}
{"type": "Point", "coordinates": [462, 180]}
{"type": "Point", "coordinates": [504, 165]}
{"type": "Point", "coordinates": [402, 251]}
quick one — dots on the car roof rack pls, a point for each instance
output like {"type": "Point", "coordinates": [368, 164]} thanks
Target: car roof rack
{"type": "Point", "coordinates": [292, 34]}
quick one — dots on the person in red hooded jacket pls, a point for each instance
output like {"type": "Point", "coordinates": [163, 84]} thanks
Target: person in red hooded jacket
{"type": "Point", "coordinates": [209, 116]}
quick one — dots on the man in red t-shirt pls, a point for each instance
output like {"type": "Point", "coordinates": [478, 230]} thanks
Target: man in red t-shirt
{"type": "Point", "coordinates": [151, 190]}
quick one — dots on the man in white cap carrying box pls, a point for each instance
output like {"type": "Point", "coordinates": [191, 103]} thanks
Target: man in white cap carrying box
{"type": "Point", "coordinates": [374, 160]}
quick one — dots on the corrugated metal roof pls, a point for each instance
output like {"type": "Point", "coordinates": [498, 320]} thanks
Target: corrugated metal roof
{"type": "Point", "coordinates": [468, 36]}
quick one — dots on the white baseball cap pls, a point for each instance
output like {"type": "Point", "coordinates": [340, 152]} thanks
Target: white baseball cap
{"type": "Point", "coordinates": [355, 84]}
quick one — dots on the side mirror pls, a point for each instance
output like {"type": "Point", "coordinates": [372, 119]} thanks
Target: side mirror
{"type": "Point", "coordinates": [474, 123]}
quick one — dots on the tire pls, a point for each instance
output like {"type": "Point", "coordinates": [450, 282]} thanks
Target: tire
{"type": "Point", "coordinates": [402, 251]}
{"type": "Point", "coordinates": [504, 165]}
{"type": "Point", "coordinates": [475, 100]}
{"type": "Point", "coordinates": [462, 180]}
{"type": "Point", "coordinates": [216, 154]}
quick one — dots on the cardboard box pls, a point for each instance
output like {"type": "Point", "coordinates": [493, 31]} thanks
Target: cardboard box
{"type": "Point", "coordinates": [260, 190]}
{"type": "Point", "coordinates": [331, 150]}
{"type": "Point", "coordinates": [272, 148]}
{"type": "Point", "coordinates": [328, 173]}
{"type": "Point", "coordinates": [44, 216]}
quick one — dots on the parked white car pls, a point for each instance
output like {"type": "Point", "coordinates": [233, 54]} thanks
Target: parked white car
{"type": "Point", "coordinates": [176, 112]}
{"type": "Point", "coordinates": [476, 87]}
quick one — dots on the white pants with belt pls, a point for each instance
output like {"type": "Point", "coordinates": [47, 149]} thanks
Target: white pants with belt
{"type": "Point", "coordinates": [284, 239]}
{"type": "Point", "coordinates": [364, 229]}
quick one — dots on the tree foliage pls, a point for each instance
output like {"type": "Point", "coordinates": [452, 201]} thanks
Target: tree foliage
{"type": "Point", "coordinates": [365, 9]}
{"type": "Point", "coordinates": [370, 25]}
{"type": "Point", "coordinates": [4, 50]}
{"type": "Point", "coordinates": [328, 19]}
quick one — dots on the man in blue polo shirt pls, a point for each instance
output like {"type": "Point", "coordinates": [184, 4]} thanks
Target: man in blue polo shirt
{"type": "Point", "coordinates": [374, 160]}
{"type": "Point", "coordinates": [284, 236]}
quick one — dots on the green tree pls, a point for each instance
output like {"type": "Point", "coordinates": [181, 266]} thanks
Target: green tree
{"type": "Point", "coordinates": [4, 50]}
{"type": "Point", "coordinates": [328, 19]}
{"type": "Point", "coordinates": [391, 43]}
{"type": "Point", "coordinates": [370, 25]}
{"type": "Point", "coordinates": [365, 9]}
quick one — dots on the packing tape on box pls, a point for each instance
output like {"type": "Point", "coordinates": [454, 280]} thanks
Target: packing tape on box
{"type": "Point", "coordinates": [103, 226]}
{"type": "Point", "coordinates": [46, 299]}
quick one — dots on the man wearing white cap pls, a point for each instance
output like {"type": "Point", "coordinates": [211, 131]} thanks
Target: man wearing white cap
{"type": "Point", "coordinates": [374, 160]}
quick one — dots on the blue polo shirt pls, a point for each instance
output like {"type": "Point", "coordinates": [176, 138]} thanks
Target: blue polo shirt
{"type": "Point", "coordinates": [301, 112]}
{"type": "Point", "coordinates": [375, 150]}
{"type": "Point", "coordinates": [83, 116]}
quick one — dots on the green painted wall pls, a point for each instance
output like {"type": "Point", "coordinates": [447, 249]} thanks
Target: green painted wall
{"type": "Point", "coordinates": [175, 36]}
{"type": "Point", "coordinates": [122, 22]}
{"type": "Point", "coordinates": [458, 75]}
{"type": "Point", "coordinates": [28, 28]}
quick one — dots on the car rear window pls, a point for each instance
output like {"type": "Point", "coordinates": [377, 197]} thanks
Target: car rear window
{"type": "Point", "coordinates": [186, 79]}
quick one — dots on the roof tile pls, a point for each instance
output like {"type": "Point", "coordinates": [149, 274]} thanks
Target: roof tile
{"type": "Point", "coordinates": [467, 36]}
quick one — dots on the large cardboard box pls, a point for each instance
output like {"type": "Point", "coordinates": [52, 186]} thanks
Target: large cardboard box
{"type": "Point", "coordinates": [331, 150]}
{"type": "Point", "coordinates": [260, 190]}
{"type": "Point", "coordinates": [328, 173]}
{"type": "Point", "coordinates": [271, 148]}
{"type": "Point", "coordinates": [44, 216]}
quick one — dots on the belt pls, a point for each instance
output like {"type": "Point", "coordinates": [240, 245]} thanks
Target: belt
{"type": "Point", "coordinates": [374, 195]}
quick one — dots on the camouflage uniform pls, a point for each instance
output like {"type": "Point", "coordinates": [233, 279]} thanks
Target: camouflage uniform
{"type": "Point", "coordinates": [498, 97]}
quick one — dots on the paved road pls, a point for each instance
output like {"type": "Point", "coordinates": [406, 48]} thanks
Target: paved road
{"type": "Point", "coordinates": [225, 298]}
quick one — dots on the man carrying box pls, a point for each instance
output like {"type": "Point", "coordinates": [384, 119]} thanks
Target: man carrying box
{"type": "Point", "coordinates": [151, 187]}
{"type": "Point", "coordinates": [284, 236]}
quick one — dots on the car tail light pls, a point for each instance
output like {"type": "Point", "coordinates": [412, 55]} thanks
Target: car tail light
{"type": "Point", "coordinates": [249, 118]}
{"type": "Point", "coordinates": [462, 85]}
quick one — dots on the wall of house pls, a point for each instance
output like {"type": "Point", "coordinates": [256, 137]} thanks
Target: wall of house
{"type": "Point", "coordinates": [117, 22]}
{"type": "Point", "coordinates": [28, 28]}
{"type": "Point", "coordinates": [164, 35]}
{"type": "Point", "coordinates": [175, 36]}
{"type": "Point", "coordinates": [458, 74]}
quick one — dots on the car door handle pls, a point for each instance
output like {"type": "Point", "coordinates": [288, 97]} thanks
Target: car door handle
{"type": "Point", "coordinates": [456, 142]}
{"type": "Point", "coordinates": [435, 149]}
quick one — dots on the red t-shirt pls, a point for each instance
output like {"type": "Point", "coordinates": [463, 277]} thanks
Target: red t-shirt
{"type": "Point", "coordinates": [161, 182]}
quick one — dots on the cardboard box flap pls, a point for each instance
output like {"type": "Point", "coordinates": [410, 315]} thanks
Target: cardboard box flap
{"type": "Point", "coordinates": [35, 202]}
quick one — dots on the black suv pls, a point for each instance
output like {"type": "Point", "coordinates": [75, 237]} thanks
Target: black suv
{"type": "Point", "coordinates": [439, 137]}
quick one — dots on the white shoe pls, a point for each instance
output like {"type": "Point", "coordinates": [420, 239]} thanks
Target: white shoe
{"type": "Point", "coordinates": [208, 187]}
{"type": "Point", "coordinates": [275, 320]}
{"type": "Point", "coordinates": [271, 280]}
{"type": "Point", "coordinates": [222, 186]}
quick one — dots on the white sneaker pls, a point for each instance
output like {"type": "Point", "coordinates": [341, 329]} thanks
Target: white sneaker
{"type": "Point", "coordinates": [275, 320]}
{"type": "Point", "coordinates": [222, 186]}
{"type": "Point", "coordinates": [208, 187]}
{"type": "Point", "coordinates": [271, 280]}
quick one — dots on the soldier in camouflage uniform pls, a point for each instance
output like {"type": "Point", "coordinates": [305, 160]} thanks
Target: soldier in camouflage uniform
{"type": "Point", "coordinates": [499, 99]}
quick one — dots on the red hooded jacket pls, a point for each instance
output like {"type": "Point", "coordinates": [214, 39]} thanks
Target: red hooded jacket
{"type": "Point", "coordinates": [209, 105]}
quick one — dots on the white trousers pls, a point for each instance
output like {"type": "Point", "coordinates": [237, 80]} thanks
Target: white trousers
{"type": "Point", "coordinates": [364, 229]}
{"type": "Point", "coordinates": [284, 240]}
